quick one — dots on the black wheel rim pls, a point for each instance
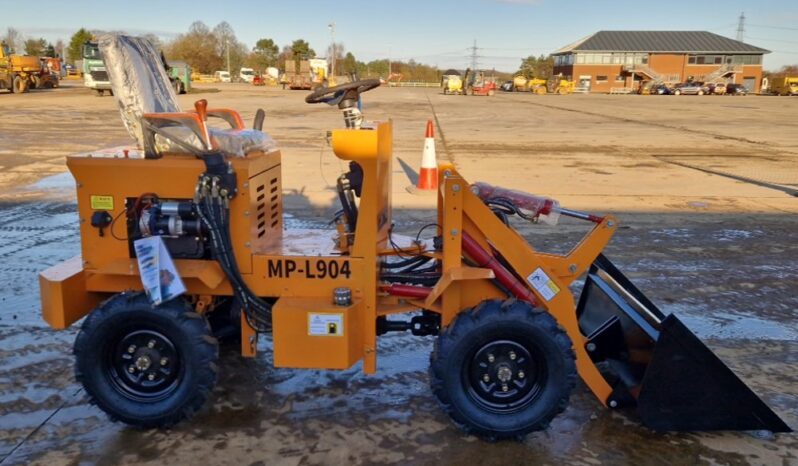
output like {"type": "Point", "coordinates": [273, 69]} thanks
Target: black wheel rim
{"type": "Point", "coordinates": [143, 365]}
{"type": "Point", "coordinates": [504, 376]}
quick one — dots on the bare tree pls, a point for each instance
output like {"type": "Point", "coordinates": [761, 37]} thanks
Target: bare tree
{"type": "Point", "coordinates": [14, 39]}
{"type": "Point", "coordinates": [59, 48]}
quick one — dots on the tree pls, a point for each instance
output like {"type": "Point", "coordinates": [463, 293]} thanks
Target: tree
{"type": "Point", "coordinates": [75, 50]}
{"type": "Point", "coordinates": [197, 47]}
{"type": "Point", "coordinates": [35, 47]}
{"type": "Point", "coordinates": [59, 48]}
{"type": "Point", "coordinates": [14, 39]}
{"type": "Point", "coordinates": [230, 50]}
{"type": "Point", "coordinates": [540, 67]}
{"type": "Point", "coordinates": [349, 64]}
{"type": "Point", "coordinates": [300, 50]}
{"type": "Point", "coordinates": [49, 51]}
{"type": "Point", "coordinates": [265, 53]}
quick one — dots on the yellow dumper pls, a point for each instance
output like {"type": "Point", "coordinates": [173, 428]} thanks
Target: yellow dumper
{"type": "Point", "coordinates": [17, 71]}
{"type": "Point", "coordinates": [452, 84]}
{"type": "Point", "coordinates": [784, 86]}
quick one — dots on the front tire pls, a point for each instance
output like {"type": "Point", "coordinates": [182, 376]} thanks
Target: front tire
{"type": "Point", "coordinates": [503, 369]}
{"type": "Point", "coordinates": [147, 366]}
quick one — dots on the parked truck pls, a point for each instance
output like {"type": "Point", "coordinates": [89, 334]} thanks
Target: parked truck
{"type": "Point", "coordinates": [312, 74]}
{"type": "Point", "coordinates": [16, 71]}
{"type": "Point", "coordinates": [246, 75]}
{"type": "Point", "coordinates": [95, 75]}
{"type": "Point", "coordinates": [784, 86]}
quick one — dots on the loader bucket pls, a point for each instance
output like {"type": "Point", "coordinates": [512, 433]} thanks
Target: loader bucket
{"type": "Point", "coordinates": [655, 361]}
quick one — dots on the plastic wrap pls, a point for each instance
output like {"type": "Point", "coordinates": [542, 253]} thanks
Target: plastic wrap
{"type": "Point", "coordinates": [138, 80]}
{"type": "Point", "coordinates": [240, 142]}
{"type": "Point", "coordinates": [237, 143]}
{"type": "Point", "coordinates": [140, 85]}
{"type": "Point", "coordinates": [545, 209]}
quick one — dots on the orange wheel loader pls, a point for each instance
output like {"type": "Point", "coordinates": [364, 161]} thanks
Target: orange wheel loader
{"type": "Point", "coordinates": [182, 243]}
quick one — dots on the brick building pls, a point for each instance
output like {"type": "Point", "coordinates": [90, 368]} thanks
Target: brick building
{"type": "Point", "coordinates": [628, 59]}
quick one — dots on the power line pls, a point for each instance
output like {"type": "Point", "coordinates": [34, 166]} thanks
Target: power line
{"type": "Point", "coordinates": [774, 40]}
{"type": "Point", "coordinates": [773, 27]}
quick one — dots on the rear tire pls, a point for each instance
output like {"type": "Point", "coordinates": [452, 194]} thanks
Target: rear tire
{"type": "Point", "coordinates": [19, 85]}
{"type": "Point", "coordinates": [148, 366]}
{"type": "Point", "coordinates": [503, 369]}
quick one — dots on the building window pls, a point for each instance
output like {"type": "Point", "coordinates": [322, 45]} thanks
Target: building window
{"type": "Point", "coordinates": [601, 78]}
{"type": "Point", "coordinates": [718, 59]}
{"type": "Point", "coordinates": [691, 59]}
{"type": "Point", "coordinates": [619, 78]}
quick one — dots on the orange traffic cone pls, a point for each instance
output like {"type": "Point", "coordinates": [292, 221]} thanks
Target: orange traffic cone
{"type": "Point", "coordinates": [428, 176]}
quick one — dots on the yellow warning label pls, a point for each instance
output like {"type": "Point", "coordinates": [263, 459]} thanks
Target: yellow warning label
{"type": "Point", "coordinates": [102, 202]}
{"type": "Point", "coordinates": [544, 285]}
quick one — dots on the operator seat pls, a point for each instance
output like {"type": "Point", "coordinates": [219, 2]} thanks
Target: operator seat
{"type": "Point", "coordinates": [152, 115]}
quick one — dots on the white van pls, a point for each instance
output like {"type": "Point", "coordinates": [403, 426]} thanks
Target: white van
{"type": "Point", "coordinates": [221, 77]}
{"type": "Point", "coordinates": [246, 75]}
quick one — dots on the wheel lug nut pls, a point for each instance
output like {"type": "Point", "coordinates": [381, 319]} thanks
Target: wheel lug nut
{"type": "Point", "coordinates": [512, 355]}
{"type": "Point", "coordinates": [486, 378]}
{"type": "Point", "coordinates": [491, 358]}
{"type": "Point", "coordinates": [505, 387]}
{"type": "Point", "coordinates": [150, 376]}
{"type": "Point", "coordinates": [131, 369]}
{"type": "Point", "coordinates": [520, 374]}
{"type": "Point", "coordinates": [131, 349]}
{"type": "Point", "coordinates": [151, 344]}
{"type": "Point", "coordinates": [164, 361]}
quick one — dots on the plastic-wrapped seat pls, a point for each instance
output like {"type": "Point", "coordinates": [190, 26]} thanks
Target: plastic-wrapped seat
{"type": "Point", "coordinates": [152, 115]}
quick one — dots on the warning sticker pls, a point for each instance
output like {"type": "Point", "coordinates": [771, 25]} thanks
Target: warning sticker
{"type": "Point", "coordinates": [326, 325]}
{"type": "Point", "coordinates": [102, 203]}
{"type": "Point", "coordinates": [543, 284]}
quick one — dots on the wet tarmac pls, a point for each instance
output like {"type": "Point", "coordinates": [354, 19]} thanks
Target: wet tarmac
{"type": "Point", "coordinates": [734, 285]}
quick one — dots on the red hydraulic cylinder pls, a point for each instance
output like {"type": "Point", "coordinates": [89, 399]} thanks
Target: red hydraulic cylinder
{"type": "Point", "coordinates": [407, 291]}
{"type": "Point", "coordinates": [507, 279]}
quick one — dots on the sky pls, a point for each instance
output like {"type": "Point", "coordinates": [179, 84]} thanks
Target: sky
{"type": "Point", "coordinates": [433, 32]}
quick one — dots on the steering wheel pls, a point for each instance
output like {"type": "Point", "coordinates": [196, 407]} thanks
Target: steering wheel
{"type": "Point", "coordinates": [344, 95]}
